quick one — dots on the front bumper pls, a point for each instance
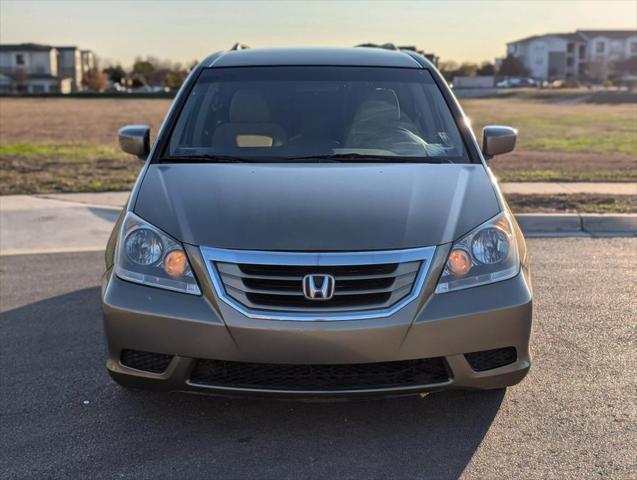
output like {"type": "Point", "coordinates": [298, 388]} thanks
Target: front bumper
{"type": "Point", "coordinates": [191, 327]}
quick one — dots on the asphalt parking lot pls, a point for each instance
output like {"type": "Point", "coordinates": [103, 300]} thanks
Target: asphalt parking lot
{"type": "Point", "coordinates": [574, 416]}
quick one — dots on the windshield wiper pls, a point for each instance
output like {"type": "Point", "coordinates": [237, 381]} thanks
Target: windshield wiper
{"type": "Point", "coordinates": [326, 158]}
{"type": "Point", "coordinates": [366, 158]}
{"type": "Point", "coordinates": [206, 159]}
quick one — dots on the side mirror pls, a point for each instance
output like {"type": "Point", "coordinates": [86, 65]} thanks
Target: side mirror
{"type": "Point", "coordinates": [497, 140]}
{"type": "Point", "coordinates": [135, 139]}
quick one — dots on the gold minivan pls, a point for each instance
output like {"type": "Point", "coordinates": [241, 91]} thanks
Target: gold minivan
{"type": "Point", "coordinates": [316, 222]}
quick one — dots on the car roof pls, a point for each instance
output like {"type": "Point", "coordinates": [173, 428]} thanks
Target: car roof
{"type": "Point", "coordinates": [357, 57]}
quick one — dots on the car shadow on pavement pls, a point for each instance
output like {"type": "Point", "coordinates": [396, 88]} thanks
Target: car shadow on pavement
{"type": "Point", "coordinates": [60, 406]}
{"type": "Point", "coordinates": [108, 214]}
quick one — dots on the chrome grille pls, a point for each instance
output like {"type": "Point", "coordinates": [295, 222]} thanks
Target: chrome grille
{"type": "Point", "coordinates": [270, 286]}
{"type": "Point", "coordinates": [279, 287]}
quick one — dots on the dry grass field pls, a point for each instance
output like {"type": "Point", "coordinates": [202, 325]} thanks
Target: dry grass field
{"type": "Point", "coordinates": [69, 145]}
{"type": "Point", "coordinates": [73, 121]}
{"type": "Point", "coordinates": [561, 141]}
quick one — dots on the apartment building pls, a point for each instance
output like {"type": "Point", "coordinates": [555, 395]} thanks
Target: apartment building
{"type": "Point", "coordinates": [35, 68]}
{"type": "Point", "coordinates": [577, 55]}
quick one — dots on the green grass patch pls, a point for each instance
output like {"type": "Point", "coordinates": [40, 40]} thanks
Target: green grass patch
{"type": "Point", "coordinates": [617, 143]}
{"type": "Point", "coordinates": [27, 168]}
{"type": "Point", "coordinates": [69, 153]}
{"type": "Point", "coordinates": [579, 128]}
{"type": "Point", "coordinates": [581, 134]}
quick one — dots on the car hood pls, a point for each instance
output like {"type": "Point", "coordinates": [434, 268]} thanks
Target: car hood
{"type": "Point", "coordinates": [316, 207]}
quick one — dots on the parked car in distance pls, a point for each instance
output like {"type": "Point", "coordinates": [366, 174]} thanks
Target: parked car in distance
{"type": "Point", "coordinates": [316, 223]}
{"type": "Point", "coordinates": [151, 89]}
{"type": "Point", "coordinates": [115, 87]}
{"type": "Point", "coordinates": [517, 83]}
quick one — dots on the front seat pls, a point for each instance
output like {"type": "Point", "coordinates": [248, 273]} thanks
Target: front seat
{"type": "Point", "coordinates": [249, 124]}
{"type": "Point", "coordinates": [377, 123]}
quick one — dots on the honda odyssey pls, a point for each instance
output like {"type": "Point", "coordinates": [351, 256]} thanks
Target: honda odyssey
{"type": "Point", "coordinates": [316, 222]}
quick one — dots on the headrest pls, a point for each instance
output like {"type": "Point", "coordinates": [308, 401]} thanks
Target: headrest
{"type": "Point", "coordinates": [380, 105]}
{"type": "Point", "coordinates": [248, 106]}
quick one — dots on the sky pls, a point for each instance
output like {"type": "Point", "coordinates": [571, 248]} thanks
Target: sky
{"type": "Point", "coordinates": [183, 31]}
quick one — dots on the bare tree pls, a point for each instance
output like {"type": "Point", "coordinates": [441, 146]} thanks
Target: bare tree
{"type": "Point", "coordinates": [512, 67]}
{"type": "Point", "coordinates": [95, 80]}
{"type": "Point", "coordinates": [486, 69]}
{"type": "Point", "coordinates": [447, 69]}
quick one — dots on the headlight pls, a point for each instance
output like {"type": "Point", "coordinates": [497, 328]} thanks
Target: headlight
{"type": "Point", "coordinates": [148, 256]}
{"type": "Point", "coordinates": [487, 254]}
{"type": "Point", "coordinates": [143, 247]}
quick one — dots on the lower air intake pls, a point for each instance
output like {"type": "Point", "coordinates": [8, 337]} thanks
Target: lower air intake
{"type": "Point", "coordinates": [146, 361]}
{"type": "Point", "coordinates": [320, 377]}
{"type": "Point", "coordinates": [488, 359]}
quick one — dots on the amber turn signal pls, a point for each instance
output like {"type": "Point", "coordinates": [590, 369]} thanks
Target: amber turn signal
{"type": "Point", "coordinates": [175, 263]}
{"type": "Point", "coordinates": [459, 262]}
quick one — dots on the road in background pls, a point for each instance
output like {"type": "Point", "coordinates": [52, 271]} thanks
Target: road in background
{"type": "Point", "coordinates": [574, 416]}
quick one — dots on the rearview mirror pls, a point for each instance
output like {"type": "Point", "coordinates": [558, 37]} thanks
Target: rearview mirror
{"type": "Point", "coordinates": [135, 139]}
{"type": "Point", "coordinates": [497, 140]}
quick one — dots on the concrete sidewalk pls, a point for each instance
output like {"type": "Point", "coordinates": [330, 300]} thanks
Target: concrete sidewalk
{"type": "Point", "coordinates": [115, 200]}
{"type": "Point", "coordinates": [553, 188]}
{"type": "Point", "coordinates": [30, 224]}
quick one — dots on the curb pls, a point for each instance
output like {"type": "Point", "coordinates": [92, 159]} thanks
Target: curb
{"type": "Point", "coordinates": [578, 224]}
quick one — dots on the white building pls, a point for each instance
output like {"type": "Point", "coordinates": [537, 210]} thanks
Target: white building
{"type": "Point", "coordinates": [88, 60]}
{"type": "Point", "coordinates": [70, 65]}
{"type": "Point", "coordinates": [574, 55]}
{"type": "Point", "coordinates": [34, 68]}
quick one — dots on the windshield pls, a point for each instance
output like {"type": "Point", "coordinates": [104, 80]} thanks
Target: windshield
{"type": "Point", "coordinates": [303, 113]}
